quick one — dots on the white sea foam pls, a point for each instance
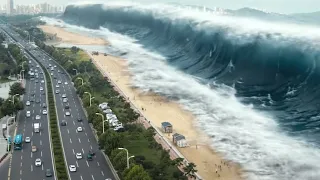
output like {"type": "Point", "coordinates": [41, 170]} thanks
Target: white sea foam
{"type": "Point", "coordinates": [240, 133]}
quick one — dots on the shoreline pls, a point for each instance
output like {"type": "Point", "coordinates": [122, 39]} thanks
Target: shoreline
{"type": "Point", "coordinates": [199, 151]}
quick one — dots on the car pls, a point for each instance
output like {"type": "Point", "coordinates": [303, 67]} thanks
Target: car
{"type": "Point", "coordinates": [57, 86]}
{"type": "Point", "coordinates": [79, 156]}
{"type": "Point", "coordinates": [59, 82]}
{"type": "Point", "coordinates": [44, 105]}
{"type": "Point", "coordinates": [34, 149]}
{"type": "Point", "coordinates": [38, 117]}
{"type": "Point", "coordinates": [54, 77]}
{"type": "Point", "coordinates": [66, 83]}
{"type": "Point", "coordinates": [66, 107]}
{"type": "Point", "coordinates": [63, 123]}
{"type": "Point", "coordinates": [64, 95]}
{"type": "Point", "coordinates": [28, 113]}
{"type": "Point", "coordinates": [37, 100]}
{"type": "Point", "coordinates": [48, 173]}
{"type": "Point", "coordinates": [41, 88]}
{"type": "Point", "coordinates": [65, 100]}
{"type": "Point", "coordinates": [28, 103]}
{"type": "Point", "coordinates": [38, 162]}
{"type": "Point", "coordinates": [55, 66]}
{"type": "Point", "coordinates": [68, 113]}
{"type": "Point", "coordinates": [27, 140]}
{"type": "Point", "coordinates": [58, 71]}
{"type": "Point", "coordinates": [79, 119]}
{"type": "Point", "coordinates": [42, 81]}
{"type": "Point", "coordinates": [89, 157]}
{"type": "Point", "coordinates": [72, 168]}
{"type": "Point", "coordinates": [44, 112]}
{"type": "Point", "coordinates": [79, 129]}
{"type": "Point", "coordinates": [51, 74]}
{"type": "Point", "coordinates": [57, 91]}
{"type": "Point", "coordinates": [37, 66]}
{"type": "Point", "coordinates": [36, 81]}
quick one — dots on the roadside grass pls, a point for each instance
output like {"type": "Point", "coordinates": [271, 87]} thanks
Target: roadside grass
{"type": "Point", "coordinates": [79, 56]}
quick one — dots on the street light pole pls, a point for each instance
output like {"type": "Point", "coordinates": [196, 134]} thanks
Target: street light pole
{"type": "Point", "coordinates": [102, 116]}
{"type": "Point", "coordinates": [13, 97]}
{"type": "Point", "coordinates": [20, 73]}
{"type": "Point", "coordinates": [76, 71]}
{"type": "Point", "coordinates": [89, 97]}
{"type": "Point", "coordinates": [81, 80]}
{"type": "Point", "coordinates": [128, 158]}
{"type": "Point", "coordinates": [8, 132]}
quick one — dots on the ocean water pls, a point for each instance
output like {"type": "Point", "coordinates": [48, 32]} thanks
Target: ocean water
{"type": "Point", "coordinates": [252, 85]}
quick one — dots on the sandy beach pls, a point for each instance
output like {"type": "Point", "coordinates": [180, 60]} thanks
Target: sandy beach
{"type": "Point", "coordinates": [210, 165]}
{"type": "Point", "coordinates": [64, 36]}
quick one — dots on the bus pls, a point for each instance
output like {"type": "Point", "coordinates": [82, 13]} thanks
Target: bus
{"type": "Point", "coordinates": [17, 143]}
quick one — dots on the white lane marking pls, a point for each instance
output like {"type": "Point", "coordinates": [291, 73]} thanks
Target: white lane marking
{"type": "Point", "coordinates": [74, 123]}
{"type": "Point", "coordinates": [21, 157]}
{"type": "Point", "coordinates": [89, 141]}
{"type": "Point", "coordinates": [102, 173]}
{"type": "Point", "coordinates": [40, 142]}
{"type": "Point", "coordinates": [77, 163]}
{"type": "Point", "coordinates": [98, 163]}
{"type": "Point", "coordinates": [40, 133]}
{"type": "Point", "coordinates": [79, 140]}
{"type": "Point", "coordinates": [20, 172]}
{"type": "Point", "coordinates": [32, 133]}
{"type": "Point", "coordinates": [70, 140]}
{"type": "Point", "coordinates": [92, 177]}
{"type": "Point", "coordinates": [82, 151]}
{"type": "Point", "coordinates": [31, 155]}
{"type": "Point", "coordinates": [90, 147]}
{"type": "Point", "coordinates": [71, 116]}
{"type": "Point", "coordinates": [87, 163]}
{"type": "Point", "coordinates": [33, 110]}
{"type": "Point", "coordinates": [86, 134]}
{"type": "Point", "coordinates": [81, 177]}
{"type": "Point", "coordinates": [42, 167]}
{"type": "Point", "coordinates": [73, 151]}
{"type": "Point", "coordinates": [68, 131]}
{"type": "Point", "coordinates": [41, 153]}
{"type": "Point", "coordinates": [31, 167]}
{"type": "Point", "coordinates": [20, 164]}
{"type": "Point", "coordinates": [22, 149]}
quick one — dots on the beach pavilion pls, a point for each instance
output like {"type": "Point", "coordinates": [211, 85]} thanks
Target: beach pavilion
{"type": "Point", "coordinates": [166, 127]}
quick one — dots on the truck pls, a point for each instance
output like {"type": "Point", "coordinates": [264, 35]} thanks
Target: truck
{"type": "Point", "coordinates": [36, 127]}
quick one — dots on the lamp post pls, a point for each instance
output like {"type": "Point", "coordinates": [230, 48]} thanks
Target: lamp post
{"type": "Point", "coordinates": [80, 79]}
{"type": "Point", "coordinates": [13, 97]}
{"type": "Point", "coordinates": [128, 158]}
{"type": "Point", "coordinates": [89, 97]}
{"type": "Point", "coordinates": [102, 116]}
{"type": "Point", "coordinates": [8, 132]}
{"type": "Point", "coordinates": [21, 72]}
{"type": "Point", "coordinates": [76, 71]}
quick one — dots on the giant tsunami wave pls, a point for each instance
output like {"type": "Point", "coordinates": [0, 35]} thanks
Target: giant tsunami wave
{"type": "Point", "coordinates": [272, 68]}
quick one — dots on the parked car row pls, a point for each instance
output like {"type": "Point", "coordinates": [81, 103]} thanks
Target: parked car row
{"type": "Point", "coordinates": [111, 118]}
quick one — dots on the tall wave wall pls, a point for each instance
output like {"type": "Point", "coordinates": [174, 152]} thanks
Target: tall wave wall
{"type": "Point", "coordinates": [274, 68]}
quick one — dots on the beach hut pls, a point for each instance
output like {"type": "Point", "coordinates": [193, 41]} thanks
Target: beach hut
{"type": "Point", "coordinates": [166, 127]}
{"type": "Point", "coordinates": [179, 140]}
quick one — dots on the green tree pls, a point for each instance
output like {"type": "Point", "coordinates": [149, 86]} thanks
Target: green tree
{"type": "Point", "coordinates": [16, 88]}
{"type": "Point", "coordinates": [74, 49]}
{"type": "Point", "coordinates": [178, 161]}
{"type": "Point", "coordinates": [136, 172]}
{"type": "Point", "coordinates": [86, 66]}
{"type": "Point", "coordinates": [110, 141]}
{"type": "Point", "coordinates": [83, 88]}
{"type": "Point", "coordinates": [7, 108]}
{"type": "Point", "coordinates": [190, 170]}
{"type": "Point", "coordinates": [119, 159]}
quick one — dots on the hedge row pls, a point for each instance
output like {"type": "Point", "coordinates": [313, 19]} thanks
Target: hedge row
{"type": "Point", "coordinates": [55, 137]}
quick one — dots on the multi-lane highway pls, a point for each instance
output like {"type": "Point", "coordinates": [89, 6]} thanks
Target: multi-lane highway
{"type": "Point", "coordinates": [73, 141]}
{"type": "Point", "coordinates": [23, 161]}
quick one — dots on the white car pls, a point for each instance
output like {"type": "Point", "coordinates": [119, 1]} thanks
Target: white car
{"type": "Point", "coordinates": [72, 168]}
{"type": "Point", "coordinates": [55, 66]}
{"type": "Point", "coordinates": [27, 140]}
{"type": "Point", "coordinates": [59, 82]}
{"type": "Point", "coordinates": [28, 114]}
{"type": "Point", "coordinates": [65, 100]}
{"type": "Point", "coordinates": [57, 86]}
{"type": "Point", "coordinates": [38, 162]}
{"type": "Point", "coordinates": [51, 74]}
{"type": "Point", "coordinates": [79, 156]}
{"type": "Point", "coordinates": [38, 117]}
{"type": "Point", "coordinates": [41, 88]}
{"type": "Point", "coordinates": [37, 66]}
{"type": "Point", "coordinates": [68, 113]}
{"type": "Point", "coordinates": [66, 83]}
{"type": "Point", "coordinates": [42, 81]}
{"type": "Point", "coordinates": [79, 129]}
{"type": "Point", "coordinates": [64, 95]}
{"type": "Point", "coordinates": [44, 112]}
{"type": "Point", "coordinates": [28, 103]}
{"type": "Point", "coordinates": [57, 91]}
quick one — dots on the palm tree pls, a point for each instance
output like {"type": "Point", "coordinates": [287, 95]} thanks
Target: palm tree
{"type": "Point", "coordinates": [190, 170]}
{"type": "Point", "coordinates": [178, 161]}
